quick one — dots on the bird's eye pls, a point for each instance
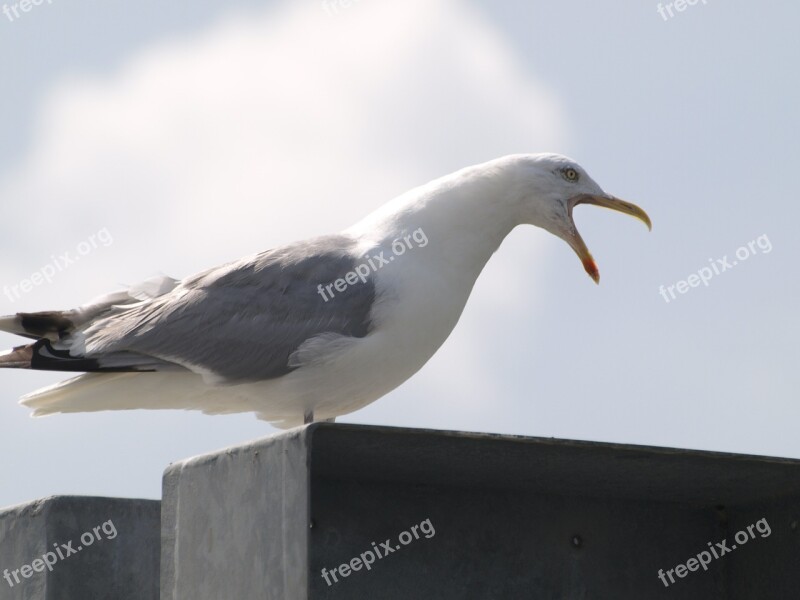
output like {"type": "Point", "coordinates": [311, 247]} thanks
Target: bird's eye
{"type": "Point", "coordinates": [570, 174]}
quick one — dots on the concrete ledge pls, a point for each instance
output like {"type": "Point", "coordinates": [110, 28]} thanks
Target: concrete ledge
{"type": "Point", "coordinates": [235, 524]}
{"type": "Point", "coordinates": [462, 515]}
{"type": "Point", "coordinates": [80, 548]}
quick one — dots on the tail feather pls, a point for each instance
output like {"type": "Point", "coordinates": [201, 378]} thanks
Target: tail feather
{"type": "Point", "coordinates": [111, 391]}
{"type": "Point", "coordinates": [92, 392]}
{"type": "Point", "coordinates": [126, 391]}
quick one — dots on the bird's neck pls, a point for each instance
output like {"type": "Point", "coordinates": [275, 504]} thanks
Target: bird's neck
{"type": "Point", "coordinates": [464, 216]}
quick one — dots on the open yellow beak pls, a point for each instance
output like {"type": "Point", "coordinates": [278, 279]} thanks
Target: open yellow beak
{"type": "Point", "coordinates": [574, 239]}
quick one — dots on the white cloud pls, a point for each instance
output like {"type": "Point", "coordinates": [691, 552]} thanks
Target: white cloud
{"type": "Point", "coordinates": [274, 126]}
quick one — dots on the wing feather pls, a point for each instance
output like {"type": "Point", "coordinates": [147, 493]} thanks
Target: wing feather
{"type": "Point", "coordinates": [241, 322]}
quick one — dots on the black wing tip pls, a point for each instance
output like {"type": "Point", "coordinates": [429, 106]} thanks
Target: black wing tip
{"type": "Point", "coordinates": [46, 358]}
{"type": "Point", "coordinates": [46, 324]}
{"type": "Point", "coordinates": [53, 325]}
{"type": "Point", "coordinates": [41, 356]}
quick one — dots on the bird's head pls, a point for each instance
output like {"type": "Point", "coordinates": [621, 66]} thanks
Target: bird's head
{"type": "Point", "coordinates": [551, 186]}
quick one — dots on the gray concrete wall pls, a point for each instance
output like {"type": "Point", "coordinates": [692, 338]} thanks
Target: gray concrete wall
{"type": "Point", "coordinates": [342, 511]}
{"type": "Point", "coordinates": [80, 548]}
{"type": "Point", "coordinates": [512, 518]}
{"type": "Point", "coordinates": [235, 523]}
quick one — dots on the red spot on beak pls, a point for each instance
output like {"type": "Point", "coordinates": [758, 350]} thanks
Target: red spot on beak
{"type": "Point", "coordinates": [591, 268]}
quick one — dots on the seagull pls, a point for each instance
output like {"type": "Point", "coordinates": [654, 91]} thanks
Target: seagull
{"type": "Point", "coordinates": [314, 329]}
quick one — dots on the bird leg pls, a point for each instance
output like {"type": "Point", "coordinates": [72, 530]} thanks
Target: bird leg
{"type": "Point", "coordinates": [308, 417]}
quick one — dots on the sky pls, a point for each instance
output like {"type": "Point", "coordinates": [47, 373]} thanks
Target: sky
{"type": "Point", "coordinates": [145, 138]}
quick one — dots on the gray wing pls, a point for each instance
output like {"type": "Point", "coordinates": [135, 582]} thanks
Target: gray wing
{"type": "Point", "coordinates": [242, 321]}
